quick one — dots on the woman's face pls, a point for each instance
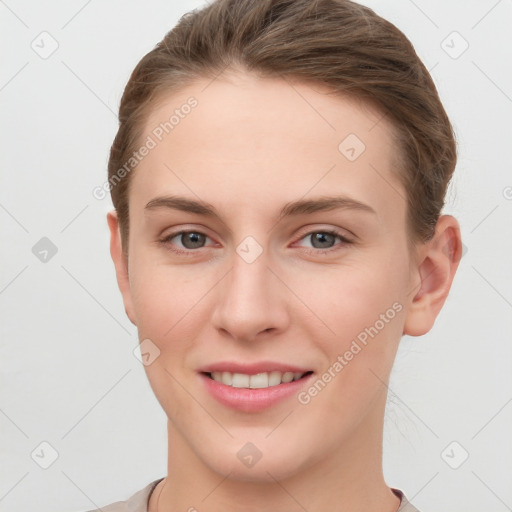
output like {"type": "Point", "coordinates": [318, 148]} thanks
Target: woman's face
{"type": "Point", "coordinates": [248, 286]}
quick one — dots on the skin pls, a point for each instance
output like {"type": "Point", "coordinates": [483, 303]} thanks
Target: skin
{"type": "Point", "coordinates": [249, 147]}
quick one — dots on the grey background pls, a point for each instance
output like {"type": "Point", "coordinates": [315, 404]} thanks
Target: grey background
{"type": "Point", "coordinates": [69, 376]}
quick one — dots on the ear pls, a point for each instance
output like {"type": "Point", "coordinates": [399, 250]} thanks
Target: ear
{"type": "Point", "coordinates": [121, 264]}
{"type": "Point", "coordinates": [437, 263]}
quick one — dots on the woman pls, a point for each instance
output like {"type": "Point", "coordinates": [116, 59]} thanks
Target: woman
{"type": "Point", "coordinates": [278, 178]}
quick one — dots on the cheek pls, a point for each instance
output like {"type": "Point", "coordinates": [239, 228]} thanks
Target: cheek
{"type": "Point", "coordinates": [340, 300]}
{"type": "Point", "coordinates": [366, 316]}
{"type": "Point", "coordinates": [350, 299]}
{"type": "Point", "coordinates": [166, 298]}
{"type": "Point", "coordinates": [362, 306]}
{"type": "Point", "coordinates": [168, 306]}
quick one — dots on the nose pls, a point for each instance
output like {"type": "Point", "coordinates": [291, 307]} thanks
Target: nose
{"type": "Point", "coordinates": [251, 300]}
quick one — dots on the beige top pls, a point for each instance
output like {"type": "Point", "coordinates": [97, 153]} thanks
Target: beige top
{"type": "Point", "coordinates": [138, 502]}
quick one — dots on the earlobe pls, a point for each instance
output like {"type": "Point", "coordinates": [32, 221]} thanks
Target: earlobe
{"type": "Point", "coordinates": [121, 264]}
{"type": "Point", "coordinates": [439, 261]}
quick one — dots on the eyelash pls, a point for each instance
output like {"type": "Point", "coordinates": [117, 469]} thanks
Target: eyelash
{"type": "Point", "coordinates": [190, 252]}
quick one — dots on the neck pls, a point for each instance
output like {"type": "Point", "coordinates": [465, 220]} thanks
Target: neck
{"type": "Point", "coordinates": [348, 479]}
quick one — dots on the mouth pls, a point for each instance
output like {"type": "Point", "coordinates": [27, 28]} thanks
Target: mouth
{"type": "Point", "coordinates": [252, 387]}
{"type": "Point", "coordinates": [261, 380]}
{"type": "Point", "coordinates": [254, 392]}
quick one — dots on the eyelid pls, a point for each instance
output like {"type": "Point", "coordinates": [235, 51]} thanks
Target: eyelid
{"type": "Point", "coordinates": [165, 239]}
{"type": "Point", "coordinates": [335, 231]}
{"type": "Point", "coordinates": [344, 234]}
{"type": "Point", "coordinates": [172, 231]}
{"type": "Point", "coordinates": [328, 251]}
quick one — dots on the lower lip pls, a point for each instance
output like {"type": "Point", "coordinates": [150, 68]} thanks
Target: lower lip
{"type": "Point", "coordinates": [252, 400]}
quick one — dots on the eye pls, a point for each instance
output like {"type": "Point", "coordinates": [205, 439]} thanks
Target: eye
{"type": "Point", "coordinates": [189, 241]}
{"type": "Point", "coordinates": [324, 240]}
{"type": "Point", "coordinates": [184, 242]}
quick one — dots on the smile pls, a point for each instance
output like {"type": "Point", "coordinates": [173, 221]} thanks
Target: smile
{"type": "Point", "coordinates": [256, 381]}
{"type": "Point", "coordinates": [254, 392]}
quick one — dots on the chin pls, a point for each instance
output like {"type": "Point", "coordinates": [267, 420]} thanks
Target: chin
{"type": "Point", "coordinates": [261, 462]}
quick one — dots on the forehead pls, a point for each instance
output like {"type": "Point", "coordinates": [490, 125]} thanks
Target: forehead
{"type": "Point", "coordinates": [267, 138]}
{"type": "Point", "coordinates": [242, 103]}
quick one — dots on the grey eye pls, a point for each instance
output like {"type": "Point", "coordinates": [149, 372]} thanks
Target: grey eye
{"type": "Point", "coordinates": [320, 239]}
{"type": "Point", "coordinates": [192, 240]}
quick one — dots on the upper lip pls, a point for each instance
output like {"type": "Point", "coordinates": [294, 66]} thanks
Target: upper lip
{"type": "Point", "coordinates": [251, 368]}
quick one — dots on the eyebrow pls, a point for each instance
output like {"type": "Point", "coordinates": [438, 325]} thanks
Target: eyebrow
{"type": "Point", "coordinates": [294, 208]}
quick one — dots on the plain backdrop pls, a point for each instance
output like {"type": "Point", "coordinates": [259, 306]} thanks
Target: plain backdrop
{"type": "Point", "coordinates": [75, 398]}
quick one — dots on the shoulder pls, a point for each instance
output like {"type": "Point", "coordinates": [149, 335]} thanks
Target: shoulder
{"type": "Point", "coordinates": [137, 502]}
{"type": "Point", "coordinates": [405, 505]}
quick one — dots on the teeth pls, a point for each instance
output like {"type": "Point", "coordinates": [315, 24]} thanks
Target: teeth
{"type": "Point", "coordinates": [274, 378]}
{"type": "Point", "coordinates": [226, 378]}
{"type": "Point", "coordinates": [260, 380]}
{"type": "Point", "coordinates": [287, 377]}
{"type": "Point", "coordinates": [240, 380]}
{"type": "Point", "coordinates": [257, 381]}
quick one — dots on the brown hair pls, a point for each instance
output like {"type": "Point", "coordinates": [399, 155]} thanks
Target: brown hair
{"type": "Point", "coordinates": [337, 43]}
